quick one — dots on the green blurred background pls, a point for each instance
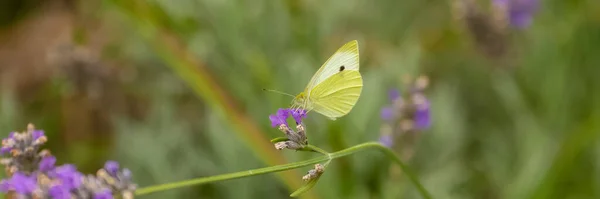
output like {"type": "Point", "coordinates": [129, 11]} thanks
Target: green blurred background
{"type": "Point", "coordinates": [172, 89]}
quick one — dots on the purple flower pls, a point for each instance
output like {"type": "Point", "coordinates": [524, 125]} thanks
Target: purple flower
{"type": "Point", "coordinates": [519, 12]}
{"type": "Point", "coordinates": [4, 186]}
{"type": "Point", "coordinates": [387, 140]}
{"type": "Point", "coordinates": [5, 150]}
{"type": "Point", "coordinates": [22, 183]}
{"type": "Point", "coordinates": [37, 134]}
{"type": "Point", "coordinates": [387, 113]}
{"type": "Point", "coordinates": [47, 163]}
{"type": "Point", "coordinates": [280, 117]}
{"type": "Point", "coordinates": [298, 114]}
{"type": "Point", "coordinates": [422, 115]}
{"type": "Point", "coordinates": [393, 94]}
{"type": "Point", "coordinates": [59, 192]}
{"type": "Point", "coordinates": [105, 194]}
{"type": "Point", "coordinates": [69, 176]}
{"type": "Point", "coordinates": [112, 167]}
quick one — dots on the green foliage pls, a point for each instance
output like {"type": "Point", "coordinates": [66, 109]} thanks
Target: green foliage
{"type": "Point", "coordinates": [520, 125]}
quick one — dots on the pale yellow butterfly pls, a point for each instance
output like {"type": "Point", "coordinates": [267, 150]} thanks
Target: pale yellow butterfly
{"type": "Point", "coordinates": [336, 86]}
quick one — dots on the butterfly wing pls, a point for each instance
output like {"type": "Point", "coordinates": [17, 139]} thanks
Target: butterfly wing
{"type": "Point", "coordinates": [337, 95]}
{"type": "Point", "coordinates": [344, 59]}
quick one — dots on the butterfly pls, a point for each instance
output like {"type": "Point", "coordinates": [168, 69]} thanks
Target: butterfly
{"type": "Point", "coordinates": [335, 88]}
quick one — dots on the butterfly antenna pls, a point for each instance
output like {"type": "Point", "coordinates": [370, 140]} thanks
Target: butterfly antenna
{"type": "Point", "coordinates": [275, 91]}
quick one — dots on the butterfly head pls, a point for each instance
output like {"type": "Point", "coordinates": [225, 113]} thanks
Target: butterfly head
{"type": "Point", "coordinates": [299, 100]}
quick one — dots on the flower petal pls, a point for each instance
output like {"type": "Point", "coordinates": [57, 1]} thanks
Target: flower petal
{"type": "Point", "coordinates": [47, 163]}
{"type": "Point", "coordinates": [393, 94]}
{"type": "Point", "coordinates": [112, 167]}
{"type": "Point", "coordinates": [387, 113]}
{"type": "Point", "coordinates": [280, 117]}
{"type": "Point", "coordinates": [298, 114]}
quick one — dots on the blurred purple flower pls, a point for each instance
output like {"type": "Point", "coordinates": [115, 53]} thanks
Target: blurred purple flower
{"type": "Point", "coordinates": [393, 94]}
{"type": "Point", "coordinates": [4, 186]}
{"type": "Point", "coordinates": [59, 192]}
{"type": "Point", "coordinates": [519, 12]}
{"type": "Point", "coordinates": [7, 143]}
{"type": "Point", "coordinates": [422, 115]}
{"type": "Point", "coordinates": [60, 182]}
{"type": "Point", "coordinates": [47, 163]}
{"type": "Point", "coordinates": [69, 176]}
{"type": "Point", "coordinates": [37, 134]}
{"type": "Point", "coordinates": [23, 184]}
{"type": "Point", "coordinates": [105, 194]}
{"type": "Point", "coordinates": [387, 113]}
{"type": "Point", "coordinates": [5, 149]}
{"type": "Point", "coordinates": [112, 167]}
{"type": "Point", "coordinates": [387, 140]}
{"type": "Point", "coordinates": [422, 119]}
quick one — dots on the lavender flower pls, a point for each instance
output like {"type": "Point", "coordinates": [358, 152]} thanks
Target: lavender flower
{"type": "Point", "coordinates": [405, 115]}
{"type": "Point", "coordinates": [519, 13]}
{"type": "Point", "coordinates": [298, 115]}
{"type": "Point", "coordinates": [387, 113]}
{"type": "Point", "coordinates": [59, 192]}
{"type": "Point", "coordinates": [112, 167]}
{"type": "Point", "coordinates": [47, 163]}
{"type": "Point", "coordinates": [106, 194]}
{"type": "Point", "coordinates": [34, 174]}
{"type": "Point", "coordinates": [119, 180]}
{"type": "Point", "coordinates": [422, 116]}
{"type": "Point", "coordinates": [393, 94]}
{"type": "Point", "coordinates": [22, 184]}
{"type": "Point", "coordinates": [279, 118]}
{"type": "Point", "coordinates": [296, 139]}
{"type": "Point", "coordinates": [68, 175]}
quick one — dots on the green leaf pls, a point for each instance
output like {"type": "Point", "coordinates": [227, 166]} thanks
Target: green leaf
{"type": "Point", "coordinates": [309, 185]}
{"type": "Point", "coordinates": [279, 139]}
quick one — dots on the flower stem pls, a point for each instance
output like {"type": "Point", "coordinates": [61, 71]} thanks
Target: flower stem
{"type": "Point", "coordinates": [351, 150]}
{"type": "Point", "coordinates": [315, 149]}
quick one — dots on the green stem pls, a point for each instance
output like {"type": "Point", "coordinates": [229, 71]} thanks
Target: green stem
{"type": "Point", "coordinates": [253, 172]}
{"type": "Point", "coordinates": [315, 149]}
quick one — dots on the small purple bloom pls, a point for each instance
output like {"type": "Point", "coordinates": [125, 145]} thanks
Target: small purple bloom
{"type": "Point", "coordinates": [105, 194]}
{"type": "Point", "coordinates": [280, 117]}
{"type": "Point", "coordinates": [519, 12]}
{"type": "Point", "coordinates": [69, 176]}
{"type": "Point", "coordinates": [393, 94]}
{"type": "Point", "coordinates": [22, 183]}
{"type": "Point", "coordinates": [59, 192]}
{"type": "Point", "coordinates": [11, 135]}
{"type": "Point", "coordinates": [387, 113]}
{"type": "Point", "coordinates": [47, 163]}
{"type": "Point", "coordinates": [4, 186]}
{"type": "Point", "coordinates": [5, 150]}
{"type": "Point", "coordinates": [37, 134]}
{"type": "Point", "coordinates": [112, 167]}
{"type": "Point", "coordinates": [423, 115]}
{"type": "Point", "coordinates": [298, 114]}
{"type": "Point", "coordinates": [386, 140]}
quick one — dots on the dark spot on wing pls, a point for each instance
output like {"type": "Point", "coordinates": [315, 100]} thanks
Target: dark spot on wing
{"type": "Point", "coordinates": [342, 68]}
